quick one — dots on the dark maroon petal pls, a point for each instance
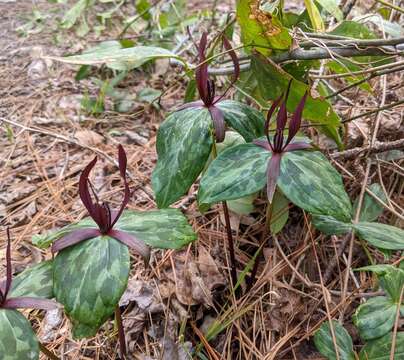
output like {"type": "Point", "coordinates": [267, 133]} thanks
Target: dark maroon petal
{"type": "Point", "coordinates": [274, 105]}
{"type": "Point", "coordinates": [9, 271]}
{"type": "Point", "coordinates": [273, 170]}
{"type": "Point", "coordinates": [201, 73]}
{"type": "Point", "coordinates": [192, 104]}
{"type": "Point", "coordinates": [278, 141]}
{"type": "Point", "coordinates": [122, 160]}
{"type": "Point", "coordinates": [132, 242]}
{"type": "Point", "coordinates": [30, 303]}
{"type": "Point", "coordinates": [218, 123]}
{"type": "Point", "coordinates": [263, 143]}
{"type": "Point", "coordinates": [236, 64]}
{"type": "Point", "coordinates": [73, 238]}
{"type": "Point", "coordinates": [296, 120]}
{"type": "Point", "coordinates": [84, 190]}
{"type": "Point", "coordinates": [283, 114]}
{"type": "Point", "coordinates": [298, 145]}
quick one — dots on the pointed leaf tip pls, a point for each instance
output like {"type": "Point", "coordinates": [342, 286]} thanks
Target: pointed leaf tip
{"type": "Point", "coordinates": [296, 120]}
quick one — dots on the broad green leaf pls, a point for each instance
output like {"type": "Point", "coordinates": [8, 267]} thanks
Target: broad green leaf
{"type": "Point", "coordinates": [380, 349]}
{"type": "Point", "coordinates": [353, 29]}
{"type": "Point", "coordinates": [280, 212]}
{"type": "Point", "coordinates": [325, 345]}
{"type": "Point", "coordinates": [375, 317]}
{"type": "Point", "coordinates": [309, 181]}
{"type": "Point", "coordinates": [184, 142]}
{"type": "Point", "coordinates": [238, 171]}
{"type": "Point", "coordinates": [247, 121]}
{"type": "Point", "coordinates": [72, 15]}
{"type": "Point", "coordinates": [261, 29]}
{"type": "Point", "coordinates": [17, 339]}
{"type": "Point", "coordinates": [315, 17]}
{"type": "Point", "coordinates": [344, 66]}
{"type": "Point", "coordinates": [330, 226]}
{"type": "Point", "coordinates": [391, 279]}
{"type": "Point", "coordinates": [117, 57]}
{"type": "Point", "coordinates": [36, 281]}
{"type": "Point", "coordinates": [331, 6]}
{"type": "Point", "coordinates": [142, 7]}
{"type": "Point", "coordinates": [381, 235]}
{"type": "Point", "coordinates": [89, 280]}
{"type": "Point", "coordinates": [164, 229]}
{"type": "Point", "coordinates": [273, 81]}
{"type": "Point", "coordinates": [371, 209]}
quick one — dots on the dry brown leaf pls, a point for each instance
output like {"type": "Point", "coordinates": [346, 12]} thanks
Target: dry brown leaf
{"type": "Point", "coordinates": [88, 138]}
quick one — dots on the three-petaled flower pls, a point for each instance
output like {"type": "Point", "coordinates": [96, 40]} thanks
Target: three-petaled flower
{"type": "Point", "coordinates": [206, 86]}
{"type": "Point", "coordinates": [278, 145]}
{"type": "Point", "coordinates": [102, 214]}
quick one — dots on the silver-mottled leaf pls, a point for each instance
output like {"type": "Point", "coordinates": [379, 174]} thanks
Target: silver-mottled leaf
{"type": "Point", "coordinates": [247, 121]}
{"type": "Point", "coordinates": [381, 235]}
{"type": "Point", "coordinates": [237, 172]}
{"type": "Point", "coordinates": [330, 226]}
{"type": "Point", "coordinates": [165, 228]}
{"type": "Point", "coordinates": [17, 339]}
{"type": "Point", "coordinates": [371, 209]}
{"type": "Point", "coordinates": [36, 281]}
{"type": "Point", "coordinates": [379, 349]}
{"type": "Point", "coordinates": [184, 142]}
{"type": "Point", "coordinates": [375, 317]}
{"type": "Point", "coordinates": [89, 280]}
{"type": "Point", "coordinates": [309, 181]}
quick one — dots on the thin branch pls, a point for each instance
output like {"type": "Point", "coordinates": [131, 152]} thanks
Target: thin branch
{"type": "Point", "coordinates": [381, 108]}
{"type": "Point", "coordinates": [377, 148]}
{"type": "Point", "coordinates": [391, 6]}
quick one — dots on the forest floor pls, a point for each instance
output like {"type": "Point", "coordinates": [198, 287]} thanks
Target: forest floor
{"type": "Point", "coordinates": [46, 140]}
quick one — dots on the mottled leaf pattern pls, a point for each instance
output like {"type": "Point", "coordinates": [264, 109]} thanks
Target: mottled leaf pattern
{"type": "Point", "coordinates": [89, 280]}
{"type": "Point", "coordinates": [371, 209]}
{"type": "Point", "coordinates": [325, 345]}
{"type": "Point", "coordinates": [375, 317]}
{"type": "Point", "coordinates": [330, 226]}
{"type": "Point", "coordinates": [238, 171]}
{"type": "Point", "coordinates": [309, 181]}
{"type": "Point", "coordinates": [184, 142]}
{"type": "Point", "coordinates": [280, 212]}
{"type": "Point", "coordinates": [36, 281]}
{"type": "Point", "coordinates": [379, 349]}
{"type": "Point", "coordinates": [165, 229]}
{"type": "Point", "coordinates": [247, 121]}
{"type": "Point", "coordinates": [381, 235]}
{"type": "Point", "coordinates": [17, 339]}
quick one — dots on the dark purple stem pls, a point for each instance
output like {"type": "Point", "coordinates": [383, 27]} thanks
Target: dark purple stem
{"type": "Point", "coordinates": [121, 332]}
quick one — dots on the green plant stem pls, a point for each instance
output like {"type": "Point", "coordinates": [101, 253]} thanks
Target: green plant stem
{"type": "Point", "coordinates": [265, 233]}
{"type": "Point", "coordinates": [233, 267]}
{"type": "Point", "coordinates": [121, 332]}
{"type": "Point", "coordinates": [47, 352]}
{"type": "Point", "coordinates": [391, 6]}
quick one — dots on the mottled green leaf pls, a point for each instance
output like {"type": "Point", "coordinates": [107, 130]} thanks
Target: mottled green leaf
{"type": "Point", "coordinates": [261, 29]}
{"type": "Point", "coordinates": [89, 280]}
{"type": "Point", "coordinates": [280, 212]}
{"type": "Point", "coordinates": [375, 317]}
{"type": "Point", "coordinates": [184, 142]}
{"type": "Point", "coordinates": [238, 171]}
{"type": "Point", "coordinates": [273, 81]}
{"type": "Point", "coordinates": [36, 281]}
{"type": "Point", "coordinates": [371, 209]}
{"type": "Point", "coordinates": [165, 229]}
{"type": "Point", "coordinates": [17, 339]}
{"type": "Point", "coordinates": [242, 206]}
{"type": "Point", "coordinates": [330, 226]}
{"type": "Point", "coordinates": [381, 235]}
{"type": "Point", "coordinates": [325, 345]}
{"type": "Point", "coordinates": [247, 121]}
{"type": "Point", "coordinates": [380, 349]}
{"type": "Point", "coordinates": [72, 15]}
{"type": "Point", "coordinates": [391, 279]}
{"type": "Point", "coordinates": [309, 181]}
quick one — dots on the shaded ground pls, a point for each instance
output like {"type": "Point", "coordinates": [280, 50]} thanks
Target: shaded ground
{"type": "Point", "coordinates": [47, 140]}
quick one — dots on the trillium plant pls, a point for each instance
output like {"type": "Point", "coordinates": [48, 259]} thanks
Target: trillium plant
{"type": "Point", "coordinates": [188, 137]}
{"type": "Point", "coordinates": [17, 339]}
{"type": "Point", "coordinates": [92, 266]}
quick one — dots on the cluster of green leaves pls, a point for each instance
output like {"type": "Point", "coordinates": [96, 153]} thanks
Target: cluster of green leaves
{"type": "Point", "coordinates": [374, 319]}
